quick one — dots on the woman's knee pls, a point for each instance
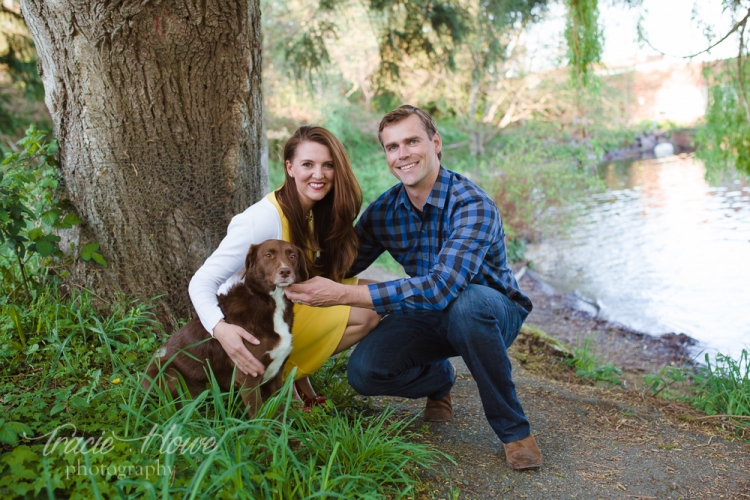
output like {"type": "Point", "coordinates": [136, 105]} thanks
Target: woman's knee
{"type": "Point", "coordinates": [361, 322]}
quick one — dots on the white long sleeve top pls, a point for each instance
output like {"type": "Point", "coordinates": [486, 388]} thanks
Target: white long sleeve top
{"type": "Point", "coordinates": [223, 268]}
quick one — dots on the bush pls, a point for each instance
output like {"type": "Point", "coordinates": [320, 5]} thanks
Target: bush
{"type": "Point", "coordinates": [536, 185]}
{"type": "Point", "coordinates": [31, 213]}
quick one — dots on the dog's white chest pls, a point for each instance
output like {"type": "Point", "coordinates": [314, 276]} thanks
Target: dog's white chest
{"type": "Point", "coordinates": [280, 353]}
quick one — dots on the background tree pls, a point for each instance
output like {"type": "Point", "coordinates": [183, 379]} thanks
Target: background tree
{"type": "Point", "coordinates": [158, 111]}
{"type": "Point", "coordinates": [724, 140]}
{"type": "Point", "coordinates": [21, 90]}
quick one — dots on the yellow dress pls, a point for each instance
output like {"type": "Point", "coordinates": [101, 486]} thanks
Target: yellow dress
{"type": "Point", "coordinates": [317, 331]}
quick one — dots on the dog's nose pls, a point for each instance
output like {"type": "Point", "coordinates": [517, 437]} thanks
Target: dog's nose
{"type": "Point", "coordinates": [285, 272]}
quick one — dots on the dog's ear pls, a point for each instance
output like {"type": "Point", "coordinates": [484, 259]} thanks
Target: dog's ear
{"type": "Point", "coordinates": [302, 266]}
{"type": "Point", "coordinates": [250, 261]}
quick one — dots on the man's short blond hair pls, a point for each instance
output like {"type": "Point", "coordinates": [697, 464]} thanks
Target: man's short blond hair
{"type": "Point", "coordinates": [402, 113]}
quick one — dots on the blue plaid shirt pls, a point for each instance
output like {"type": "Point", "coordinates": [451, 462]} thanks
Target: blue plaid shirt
{"type": "Point", "coordinates": [457, 240]}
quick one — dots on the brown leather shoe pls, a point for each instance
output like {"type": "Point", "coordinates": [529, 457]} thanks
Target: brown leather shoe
{"type": "Point", "coordinates": [523, 454]}
{"type": "Point", "coordinates": [442, 409]}
{"type": "Point", "coordinates": [438, 411]}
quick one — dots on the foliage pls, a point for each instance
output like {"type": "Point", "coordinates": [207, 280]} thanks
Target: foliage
{"type": "Point", "coordinates": [31, 213]}
{"type": "Point", "coordinates": [77, 377]}
{"type": "Point", "coordinates": [724, 385]}
{"type": "Point", "coordinates": [584, 36]}
{"type": "Point", "coordinates": [535, 182]}
{"type": "Point", "coordinates": [21, 90]}
{"type": "Point", "coordinates": [425, 34]}
{"type": "Point", "coordinates": [724, 140]}
{"type": "Point", "coordinates": [589, 366]}
{"type": "Point", "coordinates": [720, 387]}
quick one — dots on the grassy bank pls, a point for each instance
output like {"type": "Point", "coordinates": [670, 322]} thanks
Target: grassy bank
{"type": "Point", "coordinates": [718, 389]}
{"type": "Point", "coordinates": [72, 374]}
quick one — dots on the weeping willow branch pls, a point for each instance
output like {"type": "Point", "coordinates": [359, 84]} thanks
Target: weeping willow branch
{"type": "Point", "coordinates": [740, 80]}
{"type": "Point", "coordinates": [584, 38]}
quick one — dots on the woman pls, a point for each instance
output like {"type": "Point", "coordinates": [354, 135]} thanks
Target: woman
{"type": "Point", "coordinates": [315, 210]}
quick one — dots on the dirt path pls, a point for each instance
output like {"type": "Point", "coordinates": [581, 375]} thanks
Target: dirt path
{"type": "Point", "coordinates": [597, 442]}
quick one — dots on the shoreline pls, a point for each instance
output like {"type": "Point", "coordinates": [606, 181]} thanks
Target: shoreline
{"type": "Point", "coordinates": [573, 321]}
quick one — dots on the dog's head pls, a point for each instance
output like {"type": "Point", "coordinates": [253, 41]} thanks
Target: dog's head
{"type": "Point", "coordinates": [275, 263]}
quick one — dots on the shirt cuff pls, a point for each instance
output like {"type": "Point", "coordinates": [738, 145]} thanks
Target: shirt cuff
{"type": "Point", "coordinates": [382, 295]}
{"type": "Point", "coordinates": [209, 322]}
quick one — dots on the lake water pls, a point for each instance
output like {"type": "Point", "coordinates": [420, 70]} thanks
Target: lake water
{"type": "Point", "coordinates": [661, 251]}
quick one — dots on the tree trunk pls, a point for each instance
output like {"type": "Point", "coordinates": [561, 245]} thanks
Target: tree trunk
{"type": "Point", "coordinates": [158, 110]}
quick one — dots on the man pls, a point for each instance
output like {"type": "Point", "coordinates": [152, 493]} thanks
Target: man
{"type": "Point", "coordinates": [461, 299]}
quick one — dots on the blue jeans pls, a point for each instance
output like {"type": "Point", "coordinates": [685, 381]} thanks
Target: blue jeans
{"type": "Point", "coordinates": [407, 356]}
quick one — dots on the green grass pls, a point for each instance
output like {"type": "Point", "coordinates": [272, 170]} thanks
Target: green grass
{"type": "Point", "coordinates": [76, 376]}
{"type": "Point", "coordinates": [723, 386]}
{"type": "Point", "coordinates": [589, 366]}
{"type": "Point", "coordinates": [720, 388]}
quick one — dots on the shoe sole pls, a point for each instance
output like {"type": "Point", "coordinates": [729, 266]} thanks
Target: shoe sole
{"type": "Point", "coordinates": [441, 420]}
{"type": "Point", "coordinates": [526, 467]}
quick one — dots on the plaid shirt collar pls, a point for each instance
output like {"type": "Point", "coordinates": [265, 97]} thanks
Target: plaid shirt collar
{"type": "Point", "coordinates": [438, 195]}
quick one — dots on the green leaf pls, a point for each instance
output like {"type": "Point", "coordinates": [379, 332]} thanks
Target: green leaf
{"type": "Point", "coordinates": [79, 403]}
{"type": "Point", "coordinates": [36, 233]}
{"type": "Point", "coordinates": [31, 349]}
{"type": "Point", "coordinates": [51, 216]}
{"type": "Point", "coordinates": [90, 247]}
{"type": "Point", "coordinates": [45, 247]}
{"type": "Point", "coordinates": [71, 220]}
{"type": "Point", "coordinates": [9, 432]}
{"type": "Point", "coordinates": [57, 409]}
{"type": "Point", "coordinates": [99, 259]}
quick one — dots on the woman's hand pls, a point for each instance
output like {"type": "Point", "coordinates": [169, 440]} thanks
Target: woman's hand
{"type": "Point", "coordinates": [230, 337]}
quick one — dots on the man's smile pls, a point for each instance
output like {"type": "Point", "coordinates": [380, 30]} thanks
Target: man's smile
{"type": "Point", "coordinates": [406, 167]}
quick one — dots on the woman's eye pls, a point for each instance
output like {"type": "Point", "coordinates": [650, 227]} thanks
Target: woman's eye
{"type": "Point", "coordinates": [328, 165]}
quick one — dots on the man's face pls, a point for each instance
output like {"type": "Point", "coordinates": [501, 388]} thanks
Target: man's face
{"type": "Point", "coordinates": [410, 153]}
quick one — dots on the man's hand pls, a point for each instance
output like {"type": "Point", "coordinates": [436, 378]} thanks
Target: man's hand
{"type": "Point", "coordinates": [230, 337]}
{"type": "Point", "coordinates": [322, 292]}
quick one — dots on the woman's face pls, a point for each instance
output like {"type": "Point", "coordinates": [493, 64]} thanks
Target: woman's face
{"type": "Point", "coordinates": [312, 170]}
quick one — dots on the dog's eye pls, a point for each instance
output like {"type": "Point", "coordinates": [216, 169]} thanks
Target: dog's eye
{"type": "Point", "coordinates": [292, 256]}
{"type": "Point", "coordinates": [268, 255]}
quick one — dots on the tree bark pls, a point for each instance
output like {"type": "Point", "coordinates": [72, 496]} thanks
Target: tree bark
{"type": "Point", "coordinates": [158, 110]}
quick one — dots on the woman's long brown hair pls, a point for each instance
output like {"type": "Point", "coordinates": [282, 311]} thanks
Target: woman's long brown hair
{"type": "Point", "coordinates": [333, 237]}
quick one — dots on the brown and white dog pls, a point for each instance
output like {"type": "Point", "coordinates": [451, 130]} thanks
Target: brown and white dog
{"type": "Point", "coordinates": [259, 306]}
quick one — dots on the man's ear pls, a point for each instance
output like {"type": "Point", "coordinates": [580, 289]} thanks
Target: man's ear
{"type": "Point", "coordinates": [438, 142]}
{"type": "Point", "coordinates": [250, 261]}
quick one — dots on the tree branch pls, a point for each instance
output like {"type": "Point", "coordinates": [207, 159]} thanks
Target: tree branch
{"type": "Point", "coordinates": [735, 28]}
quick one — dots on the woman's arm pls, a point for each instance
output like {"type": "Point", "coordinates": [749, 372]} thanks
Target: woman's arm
{"type": "Point", "coordinates": [258, 223]}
